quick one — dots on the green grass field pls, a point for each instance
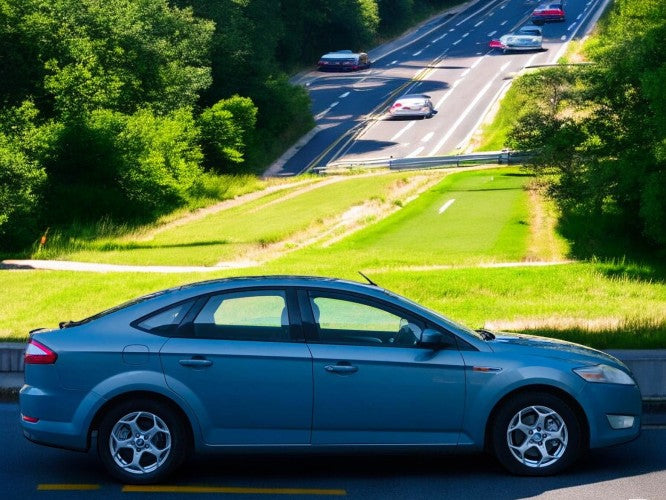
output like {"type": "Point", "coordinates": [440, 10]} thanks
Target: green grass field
{"type": "Point", "coordinates": [485, 221]}
{"type": "Point", "coordinates": [240, 231]}
{"type": "Point", "coordinates": [413, 247]}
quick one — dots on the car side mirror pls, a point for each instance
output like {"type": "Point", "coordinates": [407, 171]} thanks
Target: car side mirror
{"type": "Point", "coordinates": [432, 339]}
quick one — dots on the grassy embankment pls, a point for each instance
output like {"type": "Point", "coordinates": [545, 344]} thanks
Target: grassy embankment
{"type": "Point", "coordinates": [412, 247]}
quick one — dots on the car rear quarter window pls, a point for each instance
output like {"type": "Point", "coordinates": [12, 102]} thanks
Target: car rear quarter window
{"type": "Point", "coordinates": [167, 320]}
{"type": "Point", "coordinates": [255, 315]}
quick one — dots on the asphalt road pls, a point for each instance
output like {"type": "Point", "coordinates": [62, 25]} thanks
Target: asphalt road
{"type": "Point", "coordinates": [635, 470]}
{"type": "Point", "coordinates": [447, 58]}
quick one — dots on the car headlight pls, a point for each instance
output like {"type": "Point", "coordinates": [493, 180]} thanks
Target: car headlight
{"type": "Point", "coordinates": [604, 374]}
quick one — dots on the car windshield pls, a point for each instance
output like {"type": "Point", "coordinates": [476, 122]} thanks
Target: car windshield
{"type": "Point", "coordinates": [529, 31]}
{"type": "Point", "coordinates": [447, 321]}
{"type": "Point", "coordinates": [338, 58]}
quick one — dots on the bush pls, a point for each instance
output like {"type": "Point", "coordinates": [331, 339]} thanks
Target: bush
{"type": "Point", "coordinates": [653, 207]}
{"type": "Point", "coordinates": [284, 116]}
{"type": "Point", "coordinates": [24, 147]}
{"type": "Point", "coordinates": [159, 158]}
{"type": "Point", "coordinates": [123, 167]}
{"type": "Point", "coordinates": [20, 182]}
{"type": "Point", "coordinates": [225, 130]}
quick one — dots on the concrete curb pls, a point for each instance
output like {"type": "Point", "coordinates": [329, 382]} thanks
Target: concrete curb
{"type": "Point", "coordinates": [649, 368]}
{"type": "Point", "coordinates": [11, 357]}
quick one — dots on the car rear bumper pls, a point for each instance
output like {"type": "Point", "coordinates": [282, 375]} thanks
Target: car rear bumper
{"type": "Point", "coordinates": [339, 68]}
{"type": "Point", "coordinates": [63, 419]}
{"type": "Point", "coordinates": [546, 19]}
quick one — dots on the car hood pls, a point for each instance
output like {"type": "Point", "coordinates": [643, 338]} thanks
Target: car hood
{"type": "Point", "coordinates": [543, 346]}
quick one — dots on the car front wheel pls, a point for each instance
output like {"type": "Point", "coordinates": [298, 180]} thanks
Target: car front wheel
{"type": "Point", "coordinates": [141, 442]}
{"type": "Point", "coordinates": [536, 434]}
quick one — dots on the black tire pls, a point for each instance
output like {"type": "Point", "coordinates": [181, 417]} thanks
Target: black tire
{"type": "Point", "coordinates": [160, 443]}
{"type": "Point", "coordinates": [546, 448]}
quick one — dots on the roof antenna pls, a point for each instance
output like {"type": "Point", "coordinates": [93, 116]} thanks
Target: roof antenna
{"type": "Point", "coordinates": [368, 279]}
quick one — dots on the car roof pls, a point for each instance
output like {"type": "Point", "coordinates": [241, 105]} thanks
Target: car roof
{"type": "Point", "coordinates": [413, 96]}
{"type": "Point", "coordinates": [279, 281]}
{"type": "Point", "coordinates": [341, 54]}
{"type": "Point", "coordinates": [528, 27]}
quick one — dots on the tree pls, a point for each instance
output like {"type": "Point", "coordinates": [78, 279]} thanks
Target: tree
{"type": "Point", "coordinates": [601, 128]}
{"type": "Point", "coordinates": [23, 147]}
{"type": "Point", "coordinates": [117, 54]}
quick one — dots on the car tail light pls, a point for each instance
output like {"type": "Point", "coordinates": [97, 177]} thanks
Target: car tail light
{"type": "Point", "coordinates": [397, 105]}
{"type": "Point", "coordinates": [38, 354]}
{"type": "Point", "coordinates": [26, 418]}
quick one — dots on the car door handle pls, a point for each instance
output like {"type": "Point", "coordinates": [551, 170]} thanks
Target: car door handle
{"type": "Point", "coordinates": [341, 368]}
{"type": "Point", "coordinates": [196, 362]}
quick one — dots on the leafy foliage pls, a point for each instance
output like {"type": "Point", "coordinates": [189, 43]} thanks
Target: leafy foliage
{"type": "Point", "coordinates": [23, 146]}
{"type": "Point", "coordinates": [225, 130]}
{"type": "Point", "coordinates": [124, 102]}
{"type": "Point", "coordinates": [600, 128]}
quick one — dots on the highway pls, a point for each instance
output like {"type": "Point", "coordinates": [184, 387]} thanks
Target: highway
{"type": "Point", "coordinates": [633, 470]}
{"type": "Point", "coordinates": [447, 58]}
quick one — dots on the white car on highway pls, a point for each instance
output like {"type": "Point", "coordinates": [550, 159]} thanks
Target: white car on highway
{"type": "Point", "coordinates": [527, 37]}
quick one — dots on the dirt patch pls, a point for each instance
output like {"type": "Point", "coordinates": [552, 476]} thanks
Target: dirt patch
{"type": "Point", "coordinates": [543, 244]}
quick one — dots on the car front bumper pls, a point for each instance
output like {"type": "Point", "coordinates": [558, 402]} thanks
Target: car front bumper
{"type": "Point", "coordinates": [604, 404]}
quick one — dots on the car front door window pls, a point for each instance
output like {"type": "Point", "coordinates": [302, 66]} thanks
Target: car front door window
{"type": "Point", "coordinates": [341, 321]}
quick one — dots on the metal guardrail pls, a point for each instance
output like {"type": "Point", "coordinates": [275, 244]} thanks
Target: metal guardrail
{"type": "Point", "coordinates": [496, 157]}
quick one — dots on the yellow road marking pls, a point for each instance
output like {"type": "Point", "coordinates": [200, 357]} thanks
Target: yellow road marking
{"type": "Point", "coordinates": [231, 489]}
{"type": "Point", "coordinates": [67, 487]}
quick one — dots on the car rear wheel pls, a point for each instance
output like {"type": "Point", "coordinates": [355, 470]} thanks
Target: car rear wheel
{"type": "Point", "coordinates": [141, 442]}
{"type": "Point", "coordinates": [536, 434]}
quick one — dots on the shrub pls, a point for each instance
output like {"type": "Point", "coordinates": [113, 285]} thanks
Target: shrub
{"type": "Point", "coordinates": [24, 147]}
{"type": "Point", "coordinates": [225, 129]}
{"type": "Point", "coordinates": [159, 158]}
{"type": "Point", "coordinates": [20, 181]}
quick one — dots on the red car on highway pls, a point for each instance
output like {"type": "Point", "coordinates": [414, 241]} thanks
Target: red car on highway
{"type": "Point", "coordinates": [547, 12]}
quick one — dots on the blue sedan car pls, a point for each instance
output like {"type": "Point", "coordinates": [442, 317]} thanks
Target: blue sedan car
{"type": "Point", "coordinates": [295, 363]}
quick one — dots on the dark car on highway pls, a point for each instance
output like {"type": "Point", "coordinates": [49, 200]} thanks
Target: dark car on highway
{"type": "Point", "coordinates": [286, 363]}
{"type": "Point", "coordinates": [343, 60]}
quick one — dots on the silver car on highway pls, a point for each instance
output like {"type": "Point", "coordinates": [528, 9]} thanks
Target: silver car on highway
{"type": "Point", "coordinates": [413, 105]}
{"type": "Point", "coordinates": [527, 37]}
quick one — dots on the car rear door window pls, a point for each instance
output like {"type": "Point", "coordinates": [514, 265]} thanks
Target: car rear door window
{"type": "Point", "coordinates": [253, 315]}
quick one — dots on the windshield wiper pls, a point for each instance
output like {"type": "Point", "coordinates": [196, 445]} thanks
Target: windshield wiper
{"type": "Point", "coordinates": [486, 334]}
